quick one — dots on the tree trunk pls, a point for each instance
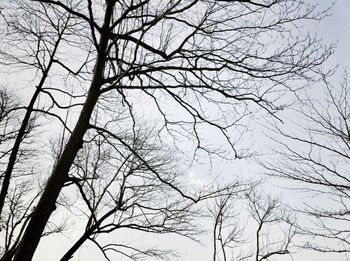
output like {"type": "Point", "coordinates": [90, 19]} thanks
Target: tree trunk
{"type": "Point", "coordinates": [46, 204]}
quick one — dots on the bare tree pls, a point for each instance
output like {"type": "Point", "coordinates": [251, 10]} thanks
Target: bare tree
{"type": "Point", "coordinates": [273, 235]}
{"type": "Point", "coordinates": [33, 35]}
{"type": "Point", "coordinates": [120, 192]}
{"type": "Point", "coordinates": [228, 234]}
{"type": "Point", "coordinates": [36, 38]}
{"type": "Point", "coordinates": [317, 158]}
{"type": "Point", "coordinates": [138, 189]}
{"type": "Point", "coordinates": [10, 114]}
{"type": "Point", "coordinates": [173, 59]}
{"type": "Point", "coordinates": [269, 212]}
{"type": "Point", "coordinates": [18, 203]}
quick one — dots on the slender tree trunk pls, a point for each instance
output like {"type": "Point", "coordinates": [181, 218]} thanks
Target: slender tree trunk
{"type": "Point", "coordinates": [13, 156]}
{"type": "Point", "coordinates": [22, 131]}
{"type": "Point", "coordinates": [46, 204]}
{"type": "Point", "coordinates": [258, 241]}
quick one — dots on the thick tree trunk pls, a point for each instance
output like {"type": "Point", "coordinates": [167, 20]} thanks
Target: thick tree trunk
{"type": "Point", "coordinates": [46, 204]}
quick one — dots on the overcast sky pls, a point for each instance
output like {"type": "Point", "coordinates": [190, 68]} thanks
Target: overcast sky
{"type": "Point", "coordinates": [334, 28]}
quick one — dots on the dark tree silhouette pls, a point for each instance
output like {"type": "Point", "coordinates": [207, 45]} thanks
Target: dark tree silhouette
{"type": "Point", "coordinates": [197, 67]}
